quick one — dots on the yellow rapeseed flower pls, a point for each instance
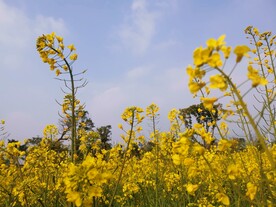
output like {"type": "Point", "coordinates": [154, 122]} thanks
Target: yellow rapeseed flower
{"type": "Point", "coordinates": [240, 51]}
{"type": "Point", "coordinates": [195, 86]}
{"type": "Point", "coordinates": [195, 72]}
{"type": "Point", "coordinates": [254, 76]}
{"type": "Point", "coordinates": [198, 149]}
{"type": "Point", "coordinates": [191, 188]}
{"type": "Point", "coordinates": [226, 51]}
{"type": "Point", "coordinates": [214, 60]}
{"type": "Point", "coordinates": [201, 56]}
{"type": "Point", "coordinates": [152, 110]}
{"type": "Point", "coordinates": [59, 39]}
{"type": "Point", "coordinates": [223, 198]}
{"type": "Point", "coordinates": [71, 47]}
{"type": "Point", "coordinates": [176, 159]}
{"type": "Point", "coordinates": [132, 113]}
{"type": "Point", "coordinates": [73, 56]}
{"type": "Point", "coordinates": [223, 126]}
{"type": "Point", "coordinates": [65, 68]}
{"type": "Point", "coordinates": [120, 126]}
{"type": "Point", "coordinates": [233, 171]}
{"type": "Point", "coordinates": [75, 197]}
{"type": "Point", "coordinates": [208, 102]}
{"type": "Point", "coordinates": [188, 161]}
{"type": "Point", "coordinates": [50, 131]}
{"type": "Point", "coordinates": [207, 137]}
{"type": "Point", "coordinates": [251, 190]}
{"type": "Point", "coordinates": [173, 114]}
{"type": "Point", "coordinates": [224, 145]}
{"type": "Point", "coordinates": [214, 44]}
{"type": "Point", "coordinates": [58, 72]}
{"type": "Point", "coordinates": [259, 44]}
{"type": "Point", "coordinates": [218, 81]}
{"type": "Point", "coordinates": [220, 41]}
{"type": "Point", "coordinates": [256, 31]}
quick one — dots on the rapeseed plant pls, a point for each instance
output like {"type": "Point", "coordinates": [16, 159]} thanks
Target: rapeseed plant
{"type": "Point", "coordinates": [52, 51]}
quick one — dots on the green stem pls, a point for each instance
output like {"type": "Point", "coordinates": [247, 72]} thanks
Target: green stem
{"type": "Point", "coordinates": [124, 159]}
{"type": "Point", "coordinates": [73, 116]}
{"type": "Point", "coordinates": [250, 118]}
{"type": "Point", "coordinates": [157, 164]}
{"type": "Point", "coordinates": [267, 101]}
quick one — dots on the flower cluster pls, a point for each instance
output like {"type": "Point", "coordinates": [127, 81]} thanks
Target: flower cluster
{"type": "Point", "coordinates": [51, 50]}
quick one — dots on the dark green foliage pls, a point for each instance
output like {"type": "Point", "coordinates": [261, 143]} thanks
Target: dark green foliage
{"type": "Point", "coordinates": [105, 136]}
{"type": "Point", "coordinates": [201, 115]}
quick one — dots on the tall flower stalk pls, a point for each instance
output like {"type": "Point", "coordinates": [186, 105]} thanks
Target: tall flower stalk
{"type": "Point", "coordinates": [52, 51]}
{"type": "Point", "coordinates": [132, 116]}
{"type": "Point", "coordinates": [152, 114]}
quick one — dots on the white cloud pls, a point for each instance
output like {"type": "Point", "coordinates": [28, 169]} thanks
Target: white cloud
{"type": "Point", "coordinates": [176, 79]}
{"type": "Point", "coordinates": [17, 29]}
{"type": "Point", "coordinates": [138, 72]}
{"type": "Point", "coordinates": [167, 44]}
{"type": "Point", "coordinates": [13, 22]}
{"type": "Point", "coordinates": [140, 87]}
{"type": "Point", "coordinates": [23, 70]}
{"type": "Point", "coordinates": [140, 27]}
{"type": "Point", "coordinates": [105, 107]}
{"type": "Point", "coordinates": [18, 34]}
{"type": "Point", "coordinates": [137, 33]}
{"type": "Point", "coordinates": [44, 25]}
{"type": "Point", "coordinates": [172, 4]}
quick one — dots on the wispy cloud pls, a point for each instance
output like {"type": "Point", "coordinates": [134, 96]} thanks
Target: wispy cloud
{"type": "Point", "coordinates": [18, 32]}
{"type": "Point", "coordinates": [21, 80]}
{"type": "Point", "coordinates": [165, 45]}
{"type": "Point", "coordinates": [138, 72]}
{"type": "Point", "coordinates": [43, 24]}
{"type": "Point", "coordinates": [106, 106]}
{"type": "Point", "coordinates": [140, 86]}
{"type": "Point", "coordinates": [137, 32]}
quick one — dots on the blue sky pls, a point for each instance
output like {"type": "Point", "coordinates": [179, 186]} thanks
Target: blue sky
{"type": "Point", "coordinates": [135, 51]}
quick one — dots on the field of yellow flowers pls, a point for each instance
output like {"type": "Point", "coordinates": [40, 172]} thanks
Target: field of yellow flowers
{"type": "Point", "coordinates": [182, 167]}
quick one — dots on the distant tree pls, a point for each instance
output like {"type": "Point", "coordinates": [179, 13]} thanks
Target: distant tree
{"type": "Point", "coordinates": [84, 122]}
{"type": "Point", "coordinates": [135, 150]}
{"type": "Point", "coordinates": [201, 115]}
{"type": "Point", "coordinates": [100, 137]}
{"type": "Point", "coordinates": [35, 141]}
{"type": "Point", "coordinates": [22, 147]}
{"type": "Point", "coordinates": [148, 146]}
{"type": "Point", "coordinates": [105, 136]}
{"type": "Point", "coordinates": [239, 144]}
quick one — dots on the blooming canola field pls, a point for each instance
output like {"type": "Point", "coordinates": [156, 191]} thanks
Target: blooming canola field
{"type": "Point", "coordinates": [195, 163]}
